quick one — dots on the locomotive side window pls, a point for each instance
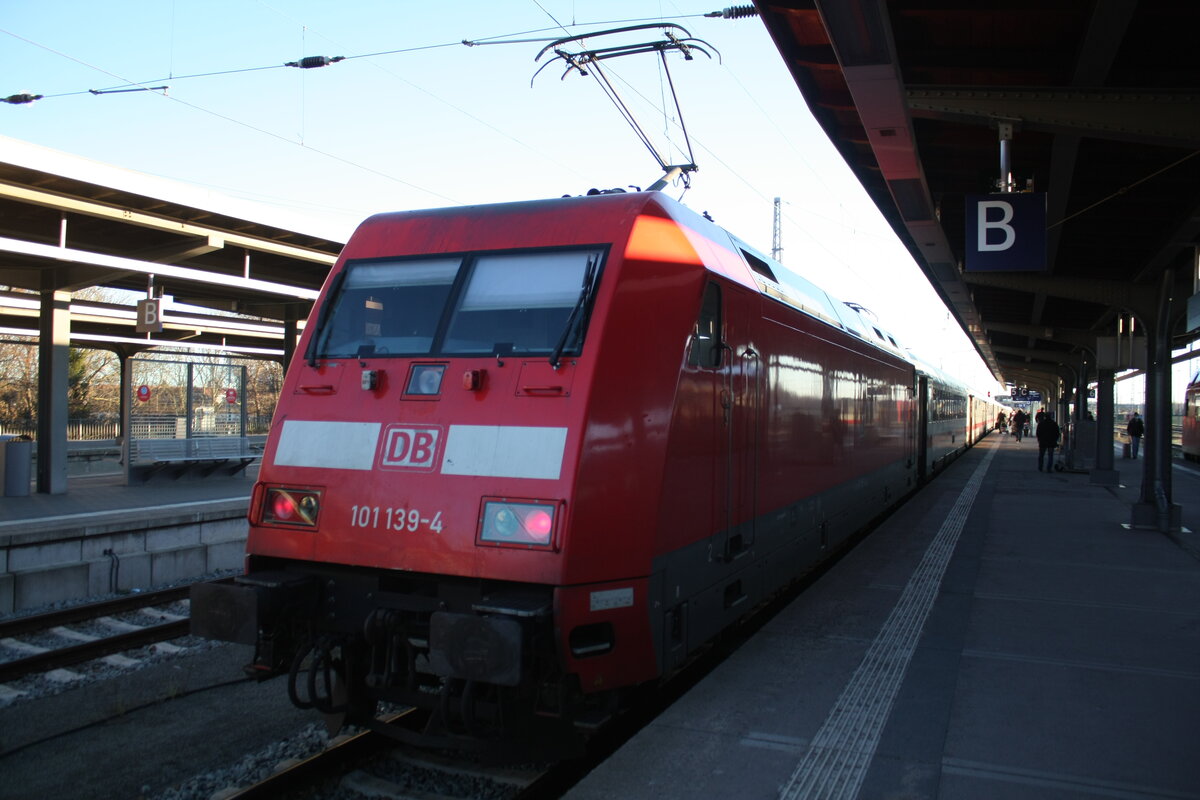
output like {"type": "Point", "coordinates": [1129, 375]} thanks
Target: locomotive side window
{"type": "Point", "coordinates": [387, 307]}
{"type": "Point", "coordinates": [525, 303]}
{"type": "Point", "coordinates": [706, 341]}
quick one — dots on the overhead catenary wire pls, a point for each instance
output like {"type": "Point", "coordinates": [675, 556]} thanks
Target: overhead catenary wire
{"type": "Point", "coordinates": [1126, 188]}
{"type": "Point", "coordinates": [436, 97]}
{"type": "Point", "coordinates": [127, 83]}
{"type": "Point", "coordinates": [310, 62]}
{"type": "Point", "coordinates": [307, 62]}
{"type": "Point", "coordinates": [313, 62]}
{"type": "Point", "coordinates": [247, 125]}
{"type": "Point", "coordinates": [137, 86]}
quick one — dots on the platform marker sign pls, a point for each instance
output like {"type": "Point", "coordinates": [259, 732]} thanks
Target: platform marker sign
{"type": "Point", "coordinates": [149, 316]}
{"type": "Point", "coordinates": [1005, 233]}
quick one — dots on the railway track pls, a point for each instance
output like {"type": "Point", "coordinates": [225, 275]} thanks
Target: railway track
{"type": "Point", "coordinates": [55, 640]}
{"type": "Point", "coordinates": [373, 764]}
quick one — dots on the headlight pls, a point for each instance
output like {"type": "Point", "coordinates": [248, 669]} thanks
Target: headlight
{"type": "Point", "coordinates": [517, 522]}
{"type": "Point", "coordinates": [291, 507]}
{"type": "Point", "coordinates": [425, 379]}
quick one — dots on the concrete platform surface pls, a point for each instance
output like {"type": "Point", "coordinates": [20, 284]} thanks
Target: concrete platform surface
{"type": "Point", "coordinates": [1004, 635]}
{"type": "Point", "coordinates": [92, 498]}
{"type": "Point", "coordinates": [102, 536]}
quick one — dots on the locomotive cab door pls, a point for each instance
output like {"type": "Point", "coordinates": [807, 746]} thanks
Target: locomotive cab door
{"type": "Point", "coordinates": [722, 343]}
{"type": "Point", "coordinates": [742, 423]}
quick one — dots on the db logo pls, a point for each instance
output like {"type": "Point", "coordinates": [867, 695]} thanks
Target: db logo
{"type": "Point", "coordinates": [410, 448]}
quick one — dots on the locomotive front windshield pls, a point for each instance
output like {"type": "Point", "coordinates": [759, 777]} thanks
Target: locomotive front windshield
{"type": "Point", "coordinates": [533, 303]}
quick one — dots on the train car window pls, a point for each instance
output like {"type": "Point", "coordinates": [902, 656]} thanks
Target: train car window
{"type": "Point", "coordinates": [524, 303]}
{"type": "Point", "coordinates": [387, 308]}
{"type": "Point", "coordinates": [759, 266]}
{"type": "Point", "coordinates": [852, 321]}
{"type": "Point", "coordinates": [946, 404]}
{"type": "Point", "coordinates": [706, 341]}
{"type": "Point", "coordinates": [810, 297]}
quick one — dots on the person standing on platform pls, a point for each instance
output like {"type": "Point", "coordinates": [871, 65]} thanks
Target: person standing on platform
{"type": "Point", "coordinates": [1020, 419]}
{"type": "Point", "coordinates": [1136, 430]}
{"type": "Point", "coordinates": [1047, 437]}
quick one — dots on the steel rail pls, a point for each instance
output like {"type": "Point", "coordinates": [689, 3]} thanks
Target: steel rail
{"type": "Point", "coordinates": [329, 763]}
{"type": "Point", "coordinates": [117, 605]}
{"type": "Point", "coordinates": [86, 651]}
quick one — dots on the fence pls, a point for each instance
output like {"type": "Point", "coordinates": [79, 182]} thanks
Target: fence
{"type": "Point", "coordinates": [84, 430]}
{"type": "Point", "coordinates": [78, 430]}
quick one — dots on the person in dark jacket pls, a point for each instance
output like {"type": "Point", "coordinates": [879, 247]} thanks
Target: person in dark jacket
{"type": "Point", "coordinates": [1047, 437]}
{"type": "Point", "coordinates": [1020, 420]}
{"type": "Point", "coordinates": [1136, 430]}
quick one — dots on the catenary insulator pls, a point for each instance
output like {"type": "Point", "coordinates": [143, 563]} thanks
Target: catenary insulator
{"type": "Point", "coordinates": [310, 62]}
{"type": "Point", "coordinates": [734, 12]}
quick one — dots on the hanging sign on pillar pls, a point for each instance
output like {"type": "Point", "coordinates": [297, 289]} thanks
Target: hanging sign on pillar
{"type": "Point", "coordinates": [1006, 232]}
{"type": "Point", "coordinates": [149, 316]}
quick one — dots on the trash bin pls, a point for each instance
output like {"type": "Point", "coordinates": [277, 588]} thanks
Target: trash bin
{"type": "Point", "coordinates": [16, 457]}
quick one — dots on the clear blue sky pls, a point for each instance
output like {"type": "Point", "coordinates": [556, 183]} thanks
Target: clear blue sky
{"type": "Point", "coordinates": [439, 123]}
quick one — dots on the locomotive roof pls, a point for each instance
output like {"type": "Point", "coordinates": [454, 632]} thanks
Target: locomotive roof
{"type": "Point", "coordinates": [612, 216]}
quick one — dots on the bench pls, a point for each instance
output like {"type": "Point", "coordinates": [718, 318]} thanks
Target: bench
{"type": "Point", "coordinates": [228, 455]}
{"type": "Point", "coordinates": [93, 451]}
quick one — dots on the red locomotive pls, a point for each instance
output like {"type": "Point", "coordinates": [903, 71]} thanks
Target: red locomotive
{"type": "Point", "coordinates": [538, 453]}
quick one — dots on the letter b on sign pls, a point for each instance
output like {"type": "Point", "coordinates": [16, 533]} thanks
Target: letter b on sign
{"type": "Point", "coordinates": [1005, 232]}
{"type": "Point", "coordinates": [410, 448]}
{"type": "Point", "coordinates": [995, 230]}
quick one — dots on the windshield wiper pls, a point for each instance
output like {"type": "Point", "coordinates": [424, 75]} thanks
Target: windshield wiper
{"type": "Point", "coordinates": [585, 294]}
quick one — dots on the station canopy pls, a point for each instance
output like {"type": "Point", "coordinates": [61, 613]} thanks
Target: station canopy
{"type": "Point", "coordinates": [68, 223]}
{"type": "Point", "coordinates": [1100, 105]}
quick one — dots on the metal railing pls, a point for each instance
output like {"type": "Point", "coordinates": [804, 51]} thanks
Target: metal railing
{"type": "Point", "coordinates": [164, 426]}
{"type": "Point", "coordinates": [80, 430]}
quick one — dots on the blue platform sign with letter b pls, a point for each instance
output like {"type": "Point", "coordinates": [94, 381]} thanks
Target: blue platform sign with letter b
{"type": "Point", "coordinates": [1005, 232]}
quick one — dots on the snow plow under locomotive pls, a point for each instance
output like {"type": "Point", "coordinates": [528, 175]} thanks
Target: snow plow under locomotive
{"type": "Point", "coordinates": [539, 453]}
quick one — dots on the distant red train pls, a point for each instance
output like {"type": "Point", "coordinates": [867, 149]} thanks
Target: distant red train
{"type": "Point", "coordinates": [539, 453]}
{"type": "Point", "coordinates": [1190, 423]}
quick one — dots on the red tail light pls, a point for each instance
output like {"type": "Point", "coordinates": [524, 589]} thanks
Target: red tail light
{"type": "Point", "coordinates": [291, 507]}
{"type": "Point", "coordinates": [283, 507]}
{"type": "Point", "coordinates": [539, 524]}
{"type": "Point", "coordinates": [522, 523]}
